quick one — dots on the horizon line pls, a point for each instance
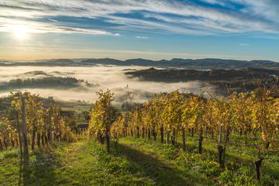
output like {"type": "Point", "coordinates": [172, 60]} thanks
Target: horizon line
{"type": "Point", "coordinates": [118, 59]}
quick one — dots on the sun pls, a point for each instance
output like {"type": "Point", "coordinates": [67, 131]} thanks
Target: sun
{"type": "Point", "coordinates": [20, 32]}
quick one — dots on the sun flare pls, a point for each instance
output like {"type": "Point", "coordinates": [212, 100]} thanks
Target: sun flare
{"type": "Point", "coordinates": [20, 32]}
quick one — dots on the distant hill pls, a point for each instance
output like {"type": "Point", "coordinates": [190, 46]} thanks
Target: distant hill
{"type": "Point", "coordinates": [45, 82]}
{"type": "Point", "coordinates": [237, 80]}
{"type": "Point", "coordinates": [187, 63]}
{"type": "Point", "coordinates": [208, 63]}
{"type": "Point", "coordinates": [178, 75]}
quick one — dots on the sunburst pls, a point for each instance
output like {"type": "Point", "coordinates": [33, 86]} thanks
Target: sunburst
{"type": "Point", "coordinates": [20, 32]}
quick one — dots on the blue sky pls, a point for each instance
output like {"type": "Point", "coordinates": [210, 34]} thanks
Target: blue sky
{"type": "Point", "coordinates": [155, 29]}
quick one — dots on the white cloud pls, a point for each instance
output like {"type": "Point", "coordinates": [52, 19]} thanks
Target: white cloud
{"type": "Point", "coordinates": [6, 25]}
{"type": "Point", "coordinates": [171, 16]}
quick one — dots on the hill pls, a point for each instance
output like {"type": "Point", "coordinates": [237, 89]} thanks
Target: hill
{"type": "Point", "coordinates": [45, 82]}
{"type": "Point", "coordinates": [238, 80]}
{"type": "Point", "coordinates": [208, 63]}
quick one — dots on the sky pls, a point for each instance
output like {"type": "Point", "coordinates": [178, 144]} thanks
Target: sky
{"type": "Point", "coordinates": [153, 29]}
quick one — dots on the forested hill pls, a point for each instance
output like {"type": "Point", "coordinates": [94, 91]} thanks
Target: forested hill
{"type": "Point", "coordinates": [45, 82]}
{"type": "Point", "coordinates": [208, 63]}
{"type": "Point", "coordinates": [237, 80]}
{"type": "Point", "coordinates": [176, 75]}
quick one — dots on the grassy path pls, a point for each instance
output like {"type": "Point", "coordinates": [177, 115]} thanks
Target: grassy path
{"type": "Point", "coordinates": [86, 163]}
{"type": "Point", "coordinates": [131, 162]}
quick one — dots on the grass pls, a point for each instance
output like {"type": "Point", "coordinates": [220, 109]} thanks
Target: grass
{"type": "Point", "coordinates": [132, 162]}
{"type": "Point", "coordinates": [80, 163]}
{"type": "Point", "coordinates": [74, 105]}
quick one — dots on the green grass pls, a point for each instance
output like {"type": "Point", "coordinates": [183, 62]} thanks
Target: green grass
{"type": "Point", "coordinates": [74, 105]}
{"type": "Point", "coordinates": [132, 162]}
{"type": "Point", "coordinates": [81, 163]}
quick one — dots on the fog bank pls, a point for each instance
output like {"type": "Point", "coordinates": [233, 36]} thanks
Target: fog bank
{"type": "Point", "coordinates": [104, 77]}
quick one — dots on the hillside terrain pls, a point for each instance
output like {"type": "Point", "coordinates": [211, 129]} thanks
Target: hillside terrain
{"type": "Point", "coordinates": [172, 139]}
{"type": "Point", "coordinates": [132, 162]}
{"type": "Point", "coordinates": [139, 92]}
{"type": "Point", "coordinates": [45, 82]}
{"type": "Point", "coordinates": [208, 63]}
{"type": "Point", "coordinates": [237, 80]}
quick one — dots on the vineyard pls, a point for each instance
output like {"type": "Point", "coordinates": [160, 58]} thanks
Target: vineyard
{"type": "Point", "coordinates": [172, 139]}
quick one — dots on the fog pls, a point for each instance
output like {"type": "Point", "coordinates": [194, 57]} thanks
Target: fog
{"type": "Point", "coordinates": [104, 77]}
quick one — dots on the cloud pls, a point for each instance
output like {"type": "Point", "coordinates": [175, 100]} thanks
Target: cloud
{"type": "Point", "coordinates": [109, 17]}
{"type": "Point", "coordinates": [112, 78]}
{"type": "Point", "coordinates": [142, 37]}
{"type": "Point", "coordinates": [8, 24]}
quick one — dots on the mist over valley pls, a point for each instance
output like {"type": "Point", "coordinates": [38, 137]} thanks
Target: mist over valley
{"type": "Point", "coordinates": [69, 83]}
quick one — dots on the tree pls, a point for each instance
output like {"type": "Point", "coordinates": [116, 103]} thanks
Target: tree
{"type": "Point", "coordinates": [19, 103]}
{"type": "Point", "coordinates": [265, 118]}
{"type": "Point", "coordinates": [102, 116]}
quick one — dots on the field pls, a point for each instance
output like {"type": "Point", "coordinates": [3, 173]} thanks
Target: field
{"type": "Point", "coordinates": [135, 162]}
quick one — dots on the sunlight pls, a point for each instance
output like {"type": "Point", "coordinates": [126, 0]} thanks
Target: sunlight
{"type": "Point", "coordinates": [20, 32]}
